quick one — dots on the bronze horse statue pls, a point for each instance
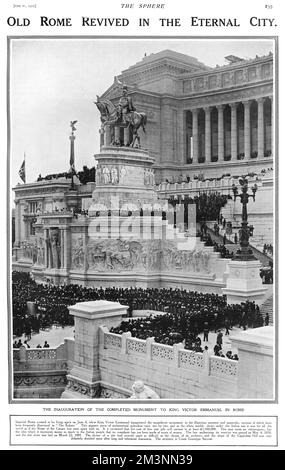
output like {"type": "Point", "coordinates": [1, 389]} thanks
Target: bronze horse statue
{"type": "Point", "coordinates": [111, 116]}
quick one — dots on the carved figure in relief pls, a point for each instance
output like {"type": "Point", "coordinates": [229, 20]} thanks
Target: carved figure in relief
{"type": "Point", "coordinates": [205, 261]}
{"type": "Point", "coordinates": [99, 175]}
{"type": "Point", "coordinates": [114, 175]}
{"type": "Point", "coordinates": [142, 392]}
{"type": "Point", "coordinates": [197, 259]}
{"type": "Point", "coordinates": [135, 251]}
{"type": "Point", "coordinates": [40, 251]}
{"type": "Point", "coordinates": [106, 175]}
{"type": "Point", "coordinates": [123, 174]}
{"type": "Point", "coordinates": [78, 254]}
{"type": "Point", "coordinates": [39, 208]}
{"type": "Point", "coordinates": [55, 249]}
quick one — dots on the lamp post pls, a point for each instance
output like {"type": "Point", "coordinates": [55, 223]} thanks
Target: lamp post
{"type": "Point", "coordinates": [244, 253]}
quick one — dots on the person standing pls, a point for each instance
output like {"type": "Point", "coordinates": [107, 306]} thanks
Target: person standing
{"type": "Point", "coordinates": [206, 331]}
{"type": "Point", "coordinates": [227, 327]}
{"type": "Point", "coordinates": [220, 339]}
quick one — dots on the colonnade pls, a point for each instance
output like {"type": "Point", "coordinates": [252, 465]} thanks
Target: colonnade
{"type": "Point", "coordinates": [234, 131]}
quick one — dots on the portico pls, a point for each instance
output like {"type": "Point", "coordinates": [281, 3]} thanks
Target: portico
{"type": "Point", "coordinates": [229, 131]}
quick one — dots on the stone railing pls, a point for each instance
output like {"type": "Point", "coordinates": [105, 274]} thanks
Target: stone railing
{"type": "Point", "coordinates": [175, 356]}
{"type": "Point", "coordinates": [36, 359]}
{"type": "Point", "coordinates": [225, 367]}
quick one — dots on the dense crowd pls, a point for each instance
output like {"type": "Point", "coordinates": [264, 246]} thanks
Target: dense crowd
{"type": "Point", "coordinates": [218, 247]}
{"type": "Point", "coordinates": [188, 314]}
{"type": "Point", "coordinates": [266, 273]}
{"type": "Point", "coordinates": [185, 312]}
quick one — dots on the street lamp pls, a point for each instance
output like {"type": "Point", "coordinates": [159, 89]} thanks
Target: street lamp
{"type": "Point", "coordinates": [244, 253]}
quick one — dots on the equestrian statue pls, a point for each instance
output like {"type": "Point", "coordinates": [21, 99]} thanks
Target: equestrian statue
{"type": "Point", "coordinates": [123, 115]}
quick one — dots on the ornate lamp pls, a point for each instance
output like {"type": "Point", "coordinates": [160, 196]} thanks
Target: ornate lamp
{"type": "Point", "coordinates": [244, 253]}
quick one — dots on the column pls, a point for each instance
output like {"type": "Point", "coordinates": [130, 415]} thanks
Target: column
{"type": "Point", "coordinates": [260, 129]}
{"type": "Point", "coordinates": [17, 224]}
{"type": "Point", "coordinates": [66, 242]}
{"type": "Point", "coordinates": [246, 105]}
{"type": "Point", "coordinates": [62, 248]}
{"type": "Point", "coordinates": [220, 132]}
{"type": "Point", "coordinates": [181, 136]}
{"type": "Point", "coordinates": [272, 125]}
{"type": "Point", "coordinates": [195, 135]}
{"type": "Point", "coordinates": [107, 136]}
{"type": "Point", "coordinates": [117, 134]}
{"type": "Point", "coordinates": [207, 134]}
{"type": "Point", "coordinates": [47, 250]}
{"type": "Point", "coordinates": [233, 131]}
{"type": "Point", "coordinates": [126, 136]}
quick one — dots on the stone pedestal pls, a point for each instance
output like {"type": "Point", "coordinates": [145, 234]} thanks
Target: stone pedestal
{"type": "Point", "coordinates": [83, 382]}
{"type": "Point", "coordinates": [244, 282]}
{"type": "Point", "coordinates": [255, 368]}
{"type": "Point", "coordinates": [124, 176]}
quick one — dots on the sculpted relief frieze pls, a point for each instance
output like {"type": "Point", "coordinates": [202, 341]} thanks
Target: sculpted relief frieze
{"type": "Point", "coordinates": [228, 79]}
{"type": "Point", "coordinates": [77, 253]}
{"type": "Point", "coordinates": [34, 250]}
{"type": "Point", "coordinates": [118, 255]}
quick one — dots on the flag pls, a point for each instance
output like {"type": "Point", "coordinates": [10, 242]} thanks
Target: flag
{"type": "Point", "coordinates": [22, 171]}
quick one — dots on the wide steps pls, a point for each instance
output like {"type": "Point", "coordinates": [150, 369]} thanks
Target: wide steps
{"type": "Point", "coordinates": [267, 307]}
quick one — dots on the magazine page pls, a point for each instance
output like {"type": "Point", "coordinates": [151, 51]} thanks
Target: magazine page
{"type": "Point", "coordinates": [140, 250]}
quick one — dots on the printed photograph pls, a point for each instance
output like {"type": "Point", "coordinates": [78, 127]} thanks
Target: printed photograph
{"type": "Point", "coordinates": [142, 188]}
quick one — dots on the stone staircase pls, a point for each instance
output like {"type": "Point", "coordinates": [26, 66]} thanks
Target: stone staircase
{"type": "Point", "coordinates": [267, 307]}
{"type": "Point", "coordinates": [262, 257]}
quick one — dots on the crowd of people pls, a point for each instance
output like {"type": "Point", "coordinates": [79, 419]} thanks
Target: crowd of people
{"type": "Point", "coordinates": [218, 247]}
{"type": "Point", "coordinates": [268, 249]}
{"type": "Point", "coordinates": [190, 314]}
{"type": "Point", "coordinates": [266, 273]}
{"type": "Point", "coordinates": [185, 311]}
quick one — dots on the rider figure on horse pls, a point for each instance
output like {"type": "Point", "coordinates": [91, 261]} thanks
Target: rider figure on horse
{"type": "Point", "coordinates": [126, 107]}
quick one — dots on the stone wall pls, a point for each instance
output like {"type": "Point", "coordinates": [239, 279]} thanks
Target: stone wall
{"type": "Point", "coordinates": [172, 372]}
{"type": "Point", "coordinates": [41, 373]}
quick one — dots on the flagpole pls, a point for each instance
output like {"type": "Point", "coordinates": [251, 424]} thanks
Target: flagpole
{"type": "Point", "coordinates": [71, 162]}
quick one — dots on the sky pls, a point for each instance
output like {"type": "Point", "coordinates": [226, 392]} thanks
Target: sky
{"type": "Point", "coordinates": [55, 81]}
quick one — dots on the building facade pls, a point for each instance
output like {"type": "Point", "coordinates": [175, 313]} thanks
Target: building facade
{"type": "Point", "coordinates": [202, 119]}
{"type": "Point", "coordinates": [205, 127]}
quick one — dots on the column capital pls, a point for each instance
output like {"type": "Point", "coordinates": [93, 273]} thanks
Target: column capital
{"type": "Point", "coordinates": [261, 100]}
{"type": "Point", "coordinates": [207, 109]}
{"type": "Point", "coordinates": [247, 103]}
{"type": "Point", "coordinates": [194, 110]}
{"type": "Point", "coordinates": [233, 105]}
{"type": "Point", "coordinates": [220, 107]}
